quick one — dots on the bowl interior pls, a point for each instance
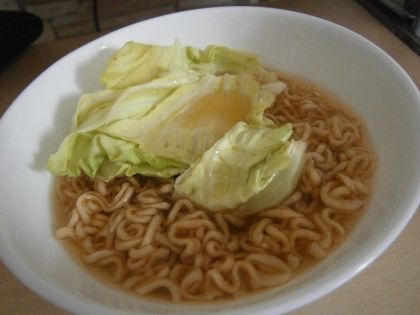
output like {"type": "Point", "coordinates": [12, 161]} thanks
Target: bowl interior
{"type": "Point", "coordinates": [352, 68]}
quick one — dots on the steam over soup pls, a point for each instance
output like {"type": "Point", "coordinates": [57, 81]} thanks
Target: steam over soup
{"type": "Point", "coordinates": [151, 238]}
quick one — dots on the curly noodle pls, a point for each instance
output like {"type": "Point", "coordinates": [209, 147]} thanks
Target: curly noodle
{"type": "Point", "coordinates": [153, 242]}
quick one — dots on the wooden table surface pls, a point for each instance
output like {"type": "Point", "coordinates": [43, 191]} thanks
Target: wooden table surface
{"type": "Point", "coordinates": [389, 286]}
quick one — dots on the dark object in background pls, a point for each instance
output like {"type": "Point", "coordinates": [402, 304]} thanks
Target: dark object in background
{"type": "Point", "coordinates": [402, 17]}
{"type": "Point", "coordinates": [18, 30]}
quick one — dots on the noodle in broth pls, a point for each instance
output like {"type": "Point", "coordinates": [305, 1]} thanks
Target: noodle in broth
{"type": "Point", "coordinates": [154, 242]}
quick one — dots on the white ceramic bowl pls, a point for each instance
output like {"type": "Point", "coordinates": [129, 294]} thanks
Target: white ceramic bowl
{"type": "Point", "coordinates": [350, 66]}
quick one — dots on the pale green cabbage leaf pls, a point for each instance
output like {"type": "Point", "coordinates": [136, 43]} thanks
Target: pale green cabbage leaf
{"type": "Point", "coordinates": [138, 63]}
{"type": "Point", "coordinates": [253, 167]}
{"type": "Point", "coordinates": [220, 59]}
{"type": "Point", "coordinates": [158, 128]}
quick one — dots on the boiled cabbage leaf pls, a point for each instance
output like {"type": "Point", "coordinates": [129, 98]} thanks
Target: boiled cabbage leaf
{"type": "Point", "coordinates": [251, 168]}
{"type": "Point", "coordinates": [138, 63]}
{"type": "Point", "coordinates": [222, 59]}
{"type": "Point", "coordinates": [159, 128]}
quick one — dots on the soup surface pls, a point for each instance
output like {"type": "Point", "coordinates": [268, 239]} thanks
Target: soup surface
{"type": "Point", "coordinates": [135, 232]}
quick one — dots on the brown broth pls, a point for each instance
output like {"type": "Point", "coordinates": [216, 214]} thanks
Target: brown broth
{"type": "Point", "coordinates": [348, 221]}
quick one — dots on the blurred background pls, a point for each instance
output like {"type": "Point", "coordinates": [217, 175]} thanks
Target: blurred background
{"type": "Point", "coordinates": [67, 18]}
